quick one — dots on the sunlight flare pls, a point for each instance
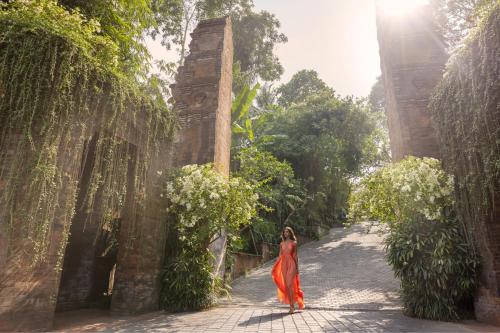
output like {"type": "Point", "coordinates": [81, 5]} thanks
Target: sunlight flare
{"type": "Point", "coordinates": [400, 7]}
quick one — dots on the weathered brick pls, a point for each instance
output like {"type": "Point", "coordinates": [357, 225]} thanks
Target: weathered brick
{"type": "Point", "coordinates": [412, 57]}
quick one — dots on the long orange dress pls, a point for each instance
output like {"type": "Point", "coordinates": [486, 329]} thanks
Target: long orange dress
{"type": "Point", "coordinates": [286, 276]}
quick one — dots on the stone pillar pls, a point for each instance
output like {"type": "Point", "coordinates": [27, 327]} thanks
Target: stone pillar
{"type": "Point", "coordinates": [412, 59]}
{"type": "Point", "coordinates": [202, 96]}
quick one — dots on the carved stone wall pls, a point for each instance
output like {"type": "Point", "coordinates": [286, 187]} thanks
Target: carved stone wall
{"type": "Point", "coordinates": [412, 59]}
{"type": "Point", "coordinates": [202, 96]}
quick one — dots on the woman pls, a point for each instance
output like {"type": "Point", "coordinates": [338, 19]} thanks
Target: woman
{"type": "Point", "coordinates": [286, 272]}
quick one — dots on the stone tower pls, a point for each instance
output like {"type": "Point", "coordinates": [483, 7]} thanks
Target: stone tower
{"type": "Point", "coordinates": [412, 60]}
{"type": "Point", "coordinates": [202, 95]}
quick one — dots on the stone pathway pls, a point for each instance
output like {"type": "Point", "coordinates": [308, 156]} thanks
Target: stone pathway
{"type": "Point", "coordinates": [347, 284]}
{"type": "Point", "coordinates": [344, 270]}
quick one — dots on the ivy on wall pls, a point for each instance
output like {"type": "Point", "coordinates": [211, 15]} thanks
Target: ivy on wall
{"type": "Point", "coordinates": [61, 92]}
{"type": "Point", "coordinates": [466, 112]}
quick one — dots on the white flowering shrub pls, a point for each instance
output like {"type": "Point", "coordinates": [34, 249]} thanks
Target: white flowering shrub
{"type": "Point", "coordinates": [201, 203]}
{"type": "Point", "coordinates": [426, 245]}
{"type": "Point", "coordinates": [395, 193]}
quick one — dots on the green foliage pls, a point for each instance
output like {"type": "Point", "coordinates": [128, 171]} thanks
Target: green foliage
{"type": "Point", "coordinates": [427, 246]}
{"type": "Point", "coordinates": [240, 113]}
{"type": "Point", "coordinates": [188, 281]}
{"type": "Point", "coordinates": [61, 87]}
{"type": "Point", "coordinates": [377, 96]}
{"type": "Point", "coordinates": [201, 205]}
{"type": "Point", "coordinates": [122, 21]}
{"type": "Point", "coordinates": [281, 195]}
{"type": "Point", "coordinates": [436, 266]}
{"type": "Point", "coordinates": [403, 191]}
{"type": "Point", "coordinates": [302, 85]}
{"type": "Point", "coordinates": [457, 17]}
{"type": "Point", "coordinates": [45, 17]}
{"type": "Point", "coordinates": [325, 139]}
{"type": "Point", "coordinates": [255, 34]}
{"type": "Point", "coordinates": [255, 38]}
{"type": "Point", "coordinates": [465, 112]}
{"type": "Point", "coordinates": [379, 153]}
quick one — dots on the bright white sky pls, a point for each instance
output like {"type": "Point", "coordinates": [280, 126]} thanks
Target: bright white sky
{"type": "Point", "coordinates": [337, 38]}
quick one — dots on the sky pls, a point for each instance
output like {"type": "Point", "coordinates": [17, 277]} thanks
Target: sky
{"type": "Point", "coordinates": [337, 38]}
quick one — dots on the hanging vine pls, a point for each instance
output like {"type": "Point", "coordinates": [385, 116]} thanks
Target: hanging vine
{"type": "Point", "coordinates": [466, 112]}
{"type": "Point", "coordinates": [63, 100]}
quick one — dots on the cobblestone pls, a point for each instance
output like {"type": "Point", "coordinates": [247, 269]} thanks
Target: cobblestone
{"type": "Point", "coordinates": [347, 284]}
{"type": "Point", "coordinates": [344, 270]}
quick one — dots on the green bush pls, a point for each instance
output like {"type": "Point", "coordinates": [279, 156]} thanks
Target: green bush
{"type": "Point", "coordinates": [188, 283]}
{"type": "Point", "coordinates": [436, 267]}
{"type": "Point", "coordinates": [427, 246]}
{"type": "Point", "coordinates": [202, 204]}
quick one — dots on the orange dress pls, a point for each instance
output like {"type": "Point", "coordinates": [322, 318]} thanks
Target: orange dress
{"type": "Point", "coordinates": [286, 276]}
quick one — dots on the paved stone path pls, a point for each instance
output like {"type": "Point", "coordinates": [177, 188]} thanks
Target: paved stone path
{"type": "Point", "coordinates": [347, 284]}
{"type": "Point", "coordinates": [345, 270]}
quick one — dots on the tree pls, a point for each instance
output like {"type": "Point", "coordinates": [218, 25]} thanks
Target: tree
{"type": "Point", "coordinates": [177, 18]}
{"type": "Point", "coordinates": [125, 22]}
{"type": "Point", "coordinates": [380, 153]}
{"type": "Point", "coordinates": [458, 17]}
{"type": "Point", "coordinates": [303, 84]}
{"type": "Point", "coordinates": [376, 98]}
{"type": "Point", "coordinates": [255, 37]}
{"type": "Point", "coordinates": [279, 192]}
{"type": "Point", "coordinates": [326, 140]}
{"type": "Point", "coordinates": [255, 34]}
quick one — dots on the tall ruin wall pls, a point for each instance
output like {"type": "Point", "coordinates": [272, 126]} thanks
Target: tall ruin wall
{"type": "Point", "coordinates": [412, 60]}
{"type": "Point", "coordinates": [202, 95]}
{"type": "Point", "coordinates": [29, 297]}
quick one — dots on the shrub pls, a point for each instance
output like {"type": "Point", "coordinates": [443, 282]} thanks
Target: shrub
{"type": "Point", "coordinates": [398, 192]}
{"type": "Point", "coordinates": [436, 267]}
{"type": "Point", "coordinates": [427, 246]}
{"type": "Point", "coordinates": [202, 204]}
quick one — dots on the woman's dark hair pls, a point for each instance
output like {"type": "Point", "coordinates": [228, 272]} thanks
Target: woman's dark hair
{"type": "Point", "coordinates": [292, 234]}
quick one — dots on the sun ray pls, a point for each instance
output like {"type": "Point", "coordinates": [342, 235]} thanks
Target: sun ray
{"type": "Point", "coordinates": [400, 7]}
